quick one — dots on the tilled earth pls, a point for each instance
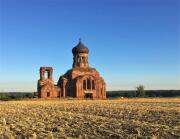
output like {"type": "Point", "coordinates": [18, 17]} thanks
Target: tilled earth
{"type": "Point", "coordinates": [119, 118]}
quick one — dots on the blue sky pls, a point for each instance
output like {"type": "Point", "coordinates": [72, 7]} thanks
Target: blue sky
{"type": "Point", "coordinates": [131, 42]}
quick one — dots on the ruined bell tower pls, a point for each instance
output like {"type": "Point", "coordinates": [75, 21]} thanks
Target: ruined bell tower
{"type": "Point", "coordinates": [46, 86]}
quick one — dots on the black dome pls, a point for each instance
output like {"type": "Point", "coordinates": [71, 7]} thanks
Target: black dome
{"type": "Point", "coordinates": [80, 48]}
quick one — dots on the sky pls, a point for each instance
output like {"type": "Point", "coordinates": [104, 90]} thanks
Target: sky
{"type": "Point", "coordinates": [131, 42]}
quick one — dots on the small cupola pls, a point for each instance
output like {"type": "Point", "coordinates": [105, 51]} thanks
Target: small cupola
{"type": "Point", "coordinates": [80, 48]}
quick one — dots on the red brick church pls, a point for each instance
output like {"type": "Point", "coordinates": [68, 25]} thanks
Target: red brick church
{"type": "Point", "coordinates": [82, 81]}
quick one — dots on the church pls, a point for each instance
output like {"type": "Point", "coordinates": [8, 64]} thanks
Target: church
{"type": "Point", "coordinates": [82, 81]}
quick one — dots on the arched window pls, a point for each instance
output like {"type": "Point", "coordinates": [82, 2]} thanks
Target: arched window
{"type": "Point", "coordinates": [68, 91]}
{"type": "Point", "coordinates": [46, 75]}
{"type": "Point", "coordinates": [84, 84]}
{"type": "Point", "coordinates": [83, 59]}
{"type": "Point", "coordinates": [88, 84]}
{"type": "Point", "coordinates": [48, 94]}
{"type": "Point", "coordinates": [93, 85]}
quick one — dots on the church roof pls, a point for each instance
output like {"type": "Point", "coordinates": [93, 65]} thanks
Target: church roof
{"type": "Point", "coordinates": [80, 48]}
{"type": "Point", "coordinates": [69, 72]}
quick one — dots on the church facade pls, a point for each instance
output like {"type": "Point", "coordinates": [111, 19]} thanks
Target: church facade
{"type": "Point", "coordinates": [82, 81]}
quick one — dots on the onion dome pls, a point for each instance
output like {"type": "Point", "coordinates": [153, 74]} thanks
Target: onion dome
{"type": "Point", "coordinates": [80, 48]}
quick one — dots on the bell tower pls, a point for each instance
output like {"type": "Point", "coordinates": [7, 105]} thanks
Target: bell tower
{"type": "Point", "coordinates": [80, 55]}
{"type": "Point", "coordinates": [46, 87]}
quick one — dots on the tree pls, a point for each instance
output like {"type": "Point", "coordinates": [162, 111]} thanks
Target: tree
{"type": "Point", "coordinates": [140, 91]}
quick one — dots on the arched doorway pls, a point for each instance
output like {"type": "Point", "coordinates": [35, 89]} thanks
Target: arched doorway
{"type": "Point", "coordinates": [88, 95]}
